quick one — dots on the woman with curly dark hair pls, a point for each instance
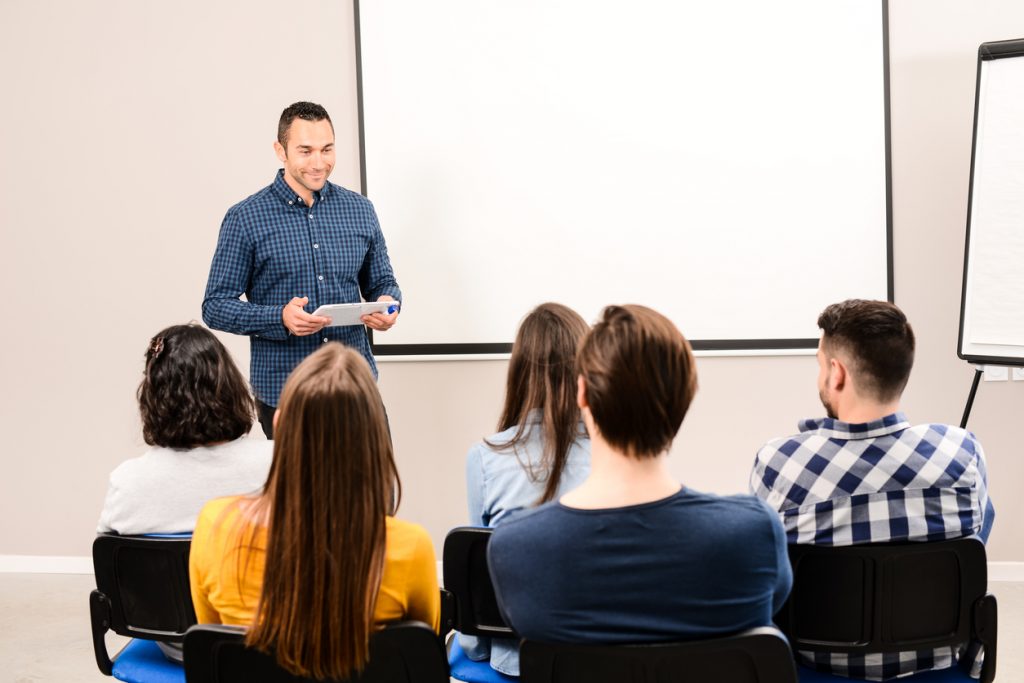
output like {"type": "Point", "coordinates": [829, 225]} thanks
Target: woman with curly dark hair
{"type": "Point", "coordinates": [196, 411]}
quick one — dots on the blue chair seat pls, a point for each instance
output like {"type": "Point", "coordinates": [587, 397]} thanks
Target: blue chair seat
{"type": "Point", "coordinates": [951, 675]}
{"type": "Point", "coordinates": [465, 669]}
{"type": "Point", "coordinates": [141, 661]}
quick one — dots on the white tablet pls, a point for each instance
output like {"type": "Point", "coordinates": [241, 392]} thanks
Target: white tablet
{"type": "Point", "coordinates": [350, 314]}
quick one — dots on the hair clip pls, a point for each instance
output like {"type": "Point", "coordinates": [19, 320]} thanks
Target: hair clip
{"type": "Point", "coordinates": [156, 347]}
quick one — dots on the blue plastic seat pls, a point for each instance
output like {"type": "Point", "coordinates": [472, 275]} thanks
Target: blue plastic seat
{"type": "Point", "coordinates": [465, 669]}
{"type": "Point", "coordinates": [142, 661]}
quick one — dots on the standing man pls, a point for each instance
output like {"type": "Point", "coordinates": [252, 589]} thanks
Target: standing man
{"type": "Point", "coordinates": [297, 244]}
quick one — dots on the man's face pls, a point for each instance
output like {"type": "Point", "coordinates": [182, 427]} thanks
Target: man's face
{"type": "Point", "coordinates": [824, 375]}
{"type": "Point", "coordinates": [309, 157]}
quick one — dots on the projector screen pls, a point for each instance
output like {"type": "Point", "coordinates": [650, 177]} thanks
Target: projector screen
{"type": "Point", "coordinates": [725, 163]}
{"type": "Point", "coordinates": [991, 323]}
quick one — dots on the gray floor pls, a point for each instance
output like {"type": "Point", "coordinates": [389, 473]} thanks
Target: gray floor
{"type": "Point", "coordinates": [44, 629]}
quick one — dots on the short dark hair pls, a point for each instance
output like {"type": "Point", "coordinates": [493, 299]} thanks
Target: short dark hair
{"type": "Point", "coordinates": [878, 339]}
{"type": "Point", "coordinates": [640, 379]}
{"type": "Point", "coordinates": [192, 393]}
{"type": "Point", "coordinates": [307, 111]}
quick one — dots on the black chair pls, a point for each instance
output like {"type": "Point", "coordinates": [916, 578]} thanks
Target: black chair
{"type": "Point", "coordinates": [758, 655]}
{"type": "Point", "coordinates": [405, 652]}
{"type": "Point", "coordinates": [468, 602]}
{"type": "Point", "coordinates": [467, 585]}
{"type": "Point", "coordinates": [891, 597]}
{"type": "Point", "coordinates": [142, 592]}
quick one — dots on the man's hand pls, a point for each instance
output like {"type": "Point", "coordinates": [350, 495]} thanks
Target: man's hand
{"type": "Point", "coordinates": [298, 321]}
{"type": "Point", "coordinates": [381, 322]}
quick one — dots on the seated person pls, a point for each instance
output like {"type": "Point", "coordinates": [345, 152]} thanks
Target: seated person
{"type": "Point", "coordinates": [864, 474]}
{"type": "Point", "coordinates": [196, 412]}
{"type": "Point", "coordinates": [541, 449]}
{"type": "Point", "coordinates": [316, 563]}
{"type": "Point", "coordinates": [631, 556]}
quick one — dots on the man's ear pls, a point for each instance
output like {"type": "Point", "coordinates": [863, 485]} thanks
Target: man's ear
{"type": "Point", "coordinates": [581, 393]}
{"type": "Point", "coordinates": [840, 375]}
{"type": "Point", "coordinates": [281, 152]}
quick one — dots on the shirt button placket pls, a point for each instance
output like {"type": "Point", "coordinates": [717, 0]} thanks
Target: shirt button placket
{"type": "Point", "coordinates": [318, 265]}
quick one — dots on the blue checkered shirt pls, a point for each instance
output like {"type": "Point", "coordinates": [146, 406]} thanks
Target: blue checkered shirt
{"type": "Point", "coordinates": [837, 483]}
{"type": "Point", "coordinates": [273, 247]}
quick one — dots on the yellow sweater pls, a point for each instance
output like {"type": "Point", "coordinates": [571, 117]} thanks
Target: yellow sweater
{"type": "Point", "coordinates": [226, 581]}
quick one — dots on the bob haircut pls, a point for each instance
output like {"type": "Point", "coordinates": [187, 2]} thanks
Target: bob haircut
{"type": "Point", "coordinates": [879, 339]}
{"type": "Point", "coordinates": [640, 379]}
{"type": "Point", "coordinates": [192, 393]}
{"type": "Point", "coordinates": [329, 490]}
{"type": "Point", "coordinates": [542, 379]}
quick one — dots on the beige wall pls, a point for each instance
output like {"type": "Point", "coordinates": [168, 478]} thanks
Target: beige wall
{"type": "Point", "coordinates": [109, 214]}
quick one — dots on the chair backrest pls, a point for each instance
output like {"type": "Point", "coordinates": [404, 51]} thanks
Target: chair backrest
{"type": "Point", "coordinates": [884, 597]}
{"type": "Point", "coordinates": [466, 577]}
{"type": "Point", "coordinates": [759, 655]}
{"type": "Point", "coordinates": [406, 652]}
{"type": "Point", "coordinates": [142, 587]}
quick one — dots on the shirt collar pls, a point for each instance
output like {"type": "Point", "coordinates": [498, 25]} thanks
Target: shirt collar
{"type": "Point", "coordinates": [827, 426]}
{"type": "Point", "coordinates": [286, 193]}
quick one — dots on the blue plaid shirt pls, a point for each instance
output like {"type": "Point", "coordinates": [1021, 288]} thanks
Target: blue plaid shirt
{"type": "Point", "coordinates": [273, 247]}
{"type": "Point", "coordinates": [837, 483]}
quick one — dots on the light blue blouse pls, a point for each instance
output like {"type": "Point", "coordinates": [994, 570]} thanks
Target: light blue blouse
{"type": "Point", "coordinates": [499, 482]}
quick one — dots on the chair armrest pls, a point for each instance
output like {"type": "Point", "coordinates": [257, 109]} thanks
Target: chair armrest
{"type": "Point", "coordinates": [448, 612]}
{"type": "Point", "coordinates": [99, 616]}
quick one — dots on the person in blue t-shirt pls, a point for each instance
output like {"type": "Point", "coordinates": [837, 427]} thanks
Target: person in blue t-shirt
{"type": "Point", "coordinates": [632, 556]}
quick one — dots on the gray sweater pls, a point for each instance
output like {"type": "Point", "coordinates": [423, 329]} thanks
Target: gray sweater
{"type": "Point", "coordinates": [163, 490]}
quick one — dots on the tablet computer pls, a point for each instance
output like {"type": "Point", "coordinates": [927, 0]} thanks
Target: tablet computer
{"type": "Point", "coordinates": [350, 314]}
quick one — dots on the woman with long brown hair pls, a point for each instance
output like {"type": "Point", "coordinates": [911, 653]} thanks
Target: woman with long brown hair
{"type": "Point", "coordinates": [316, 562]}
{"type": "Point", "coordinates": [541, 449]}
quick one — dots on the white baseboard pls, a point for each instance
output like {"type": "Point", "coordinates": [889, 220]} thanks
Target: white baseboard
{"type": "Point", "coordinates": [1006, 571]}
{"type": "Point", "coordinates": [44, 564]}
{"type": "Point", "coordinates": [52, 564]}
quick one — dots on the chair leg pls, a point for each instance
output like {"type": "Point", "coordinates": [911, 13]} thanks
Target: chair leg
{"type": "Point", "coordinates": [985, 628]}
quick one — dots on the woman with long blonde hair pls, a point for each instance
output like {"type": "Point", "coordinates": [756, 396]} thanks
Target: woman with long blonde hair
{"type": "Point", "coordinates": [316, 562]}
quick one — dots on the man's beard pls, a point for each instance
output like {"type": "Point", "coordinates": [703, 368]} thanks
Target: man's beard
{"type": "Point", "coordinates": [829, 410]}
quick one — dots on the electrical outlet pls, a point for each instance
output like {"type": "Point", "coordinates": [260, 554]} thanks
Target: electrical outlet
{"type": "Point", "coordinates": [1018, 374]}
{"type": "Point", "coordinates": [996, 373]}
